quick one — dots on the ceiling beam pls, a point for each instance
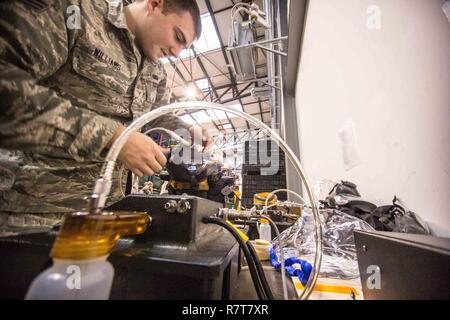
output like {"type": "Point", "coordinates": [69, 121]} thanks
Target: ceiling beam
{"type": "Point", "coordinates": [180, 74]}
{"type": "Point", "coordinates": [223, 93]}
{"type": "Point", "coordinates": [186, 83]}
{"type": "Point", "coordinates": [224, 9]}
{"type": "Point", "coordinates": [237, 98]}
{"type": "Point", "coordinates": [200, 63]}
{"type": "Point", "coordinates": [254, 102]}
{"type": "Point", "coordinates": [222, 47]}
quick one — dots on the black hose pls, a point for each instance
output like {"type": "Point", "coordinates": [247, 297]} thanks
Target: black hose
{"type": "Point", "coordinates": [260, 271]}
{"type": "Point", "coordinates": [245, 250]}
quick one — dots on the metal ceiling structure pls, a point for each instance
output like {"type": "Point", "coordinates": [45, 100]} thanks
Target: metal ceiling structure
{"type": "Point", "coordinates": [215, 70]}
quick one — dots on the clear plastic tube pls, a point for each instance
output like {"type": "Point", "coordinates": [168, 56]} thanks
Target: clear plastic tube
{"type": "Point", "coordinates": [283, 273]}
{"type": "Point", "coordinates": [284, 190]}
{"type": "Point", "coordinates": [102, 185]}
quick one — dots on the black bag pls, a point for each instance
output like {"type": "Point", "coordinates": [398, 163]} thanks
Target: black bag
{"type": "Point", "coordinates": [396, 217]}
{"type": "Point", "coordinates": [345, 197]}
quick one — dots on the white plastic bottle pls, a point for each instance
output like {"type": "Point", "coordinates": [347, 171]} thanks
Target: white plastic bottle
{"type": "Point", "coordinates": [80, 269]}
{"type": "Point", "coordinates": [265, 230]}
{"type": "Point", "coordinates": [88, 279]}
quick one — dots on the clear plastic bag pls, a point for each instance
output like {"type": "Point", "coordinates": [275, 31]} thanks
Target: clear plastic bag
{"type": "Point", "coordinates": [339, 252]}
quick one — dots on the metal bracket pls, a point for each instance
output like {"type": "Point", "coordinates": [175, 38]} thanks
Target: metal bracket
{"type": "Point", "coordinates": [260, 44]}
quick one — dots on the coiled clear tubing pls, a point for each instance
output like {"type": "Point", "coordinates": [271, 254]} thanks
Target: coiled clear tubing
{"type": "Point", "coordinates": [102, 185]}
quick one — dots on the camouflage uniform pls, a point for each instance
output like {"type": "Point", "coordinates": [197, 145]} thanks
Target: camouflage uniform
{"type": "Point", "coordinates": [64, 91]}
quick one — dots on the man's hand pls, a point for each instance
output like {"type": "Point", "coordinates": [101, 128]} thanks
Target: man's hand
{"type": "Point", "coordinates": [141, 154]}
{"type": "Point", "coordinates": [200, 136]}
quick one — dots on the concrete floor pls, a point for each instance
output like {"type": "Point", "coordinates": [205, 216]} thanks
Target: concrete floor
{"type": "Point", "coordinates": [245, 289]}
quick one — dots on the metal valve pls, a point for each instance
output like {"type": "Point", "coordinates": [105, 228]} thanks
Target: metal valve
{"type": "Point", "coordinates": [183, 206]}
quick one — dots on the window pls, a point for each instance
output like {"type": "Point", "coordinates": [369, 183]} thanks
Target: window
{"type": "Point", "coordinates": [202, 117]}
{"type": "Point", "coordinates": [203, 84]}
{"type": "Point", "coordinates": [209, 39]}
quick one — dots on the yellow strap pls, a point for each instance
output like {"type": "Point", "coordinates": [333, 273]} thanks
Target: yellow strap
{"type": "Point", "coordinates": [177, 185]}
{"type": "Point", "coordinates": [329, 288]}
{"type": "Point", "coordinates": [241, 234]}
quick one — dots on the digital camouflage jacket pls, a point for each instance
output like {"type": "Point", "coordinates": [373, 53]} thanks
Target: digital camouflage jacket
{"type": "Point", "coordinates": [70, 74]}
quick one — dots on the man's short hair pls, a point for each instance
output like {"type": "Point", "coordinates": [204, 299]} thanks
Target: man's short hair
{"type": "Point", "coordinates": [181, 6]}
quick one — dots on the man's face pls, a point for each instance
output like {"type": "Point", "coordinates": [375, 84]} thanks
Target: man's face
{"type": "Point", "coordinates": [161, 35]}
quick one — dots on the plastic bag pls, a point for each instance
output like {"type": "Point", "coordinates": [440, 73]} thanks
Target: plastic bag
{"type": "Point", "coordinates": [339, 252]}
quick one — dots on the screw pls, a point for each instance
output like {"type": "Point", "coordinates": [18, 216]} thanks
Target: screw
{"type": "Point", "coordinates": [170, 206]}
{"type": "Point", "coordinates": [364, 248]}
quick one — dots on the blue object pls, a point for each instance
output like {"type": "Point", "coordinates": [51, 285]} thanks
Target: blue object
{"type": "Point", "coordinates": [302, 274]}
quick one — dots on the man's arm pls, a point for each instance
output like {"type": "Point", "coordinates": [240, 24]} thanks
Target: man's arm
{"type": "Point", "coordinates": [33, 45]}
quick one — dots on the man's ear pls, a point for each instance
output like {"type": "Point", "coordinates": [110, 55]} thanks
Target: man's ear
{"type": "Point", "coordinates": [155, 4]}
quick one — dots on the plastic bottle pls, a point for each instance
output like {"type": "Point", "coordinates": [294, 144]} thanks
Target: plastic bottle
{"type": "Point", "coordinates": [80, 270]}
{"type": "Point", "coordinates": [265, 230]}
{"type": "Point", "coordinates": [89, 279]}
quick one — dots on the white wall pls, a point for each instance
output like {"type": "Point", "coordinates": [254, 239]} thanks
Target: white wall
{"type": "Point", "coordinates": [394, 84]}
